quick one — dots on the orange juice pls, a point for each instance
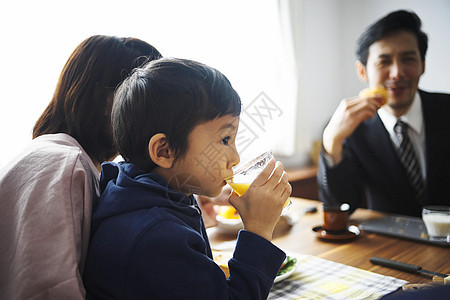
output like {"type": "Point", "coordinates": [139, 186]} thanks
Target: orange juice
{"type": "Point", "coordinates": [239, 188]}
{"type": "Point", "coordinates": [245, 174]}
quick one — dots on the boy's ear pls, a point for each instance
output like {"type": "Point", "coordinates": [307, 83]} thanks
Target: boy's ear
{"type": "Point", "coordinates": [361, 70]}
{"type": "Point", "coordinates": [160, 152]}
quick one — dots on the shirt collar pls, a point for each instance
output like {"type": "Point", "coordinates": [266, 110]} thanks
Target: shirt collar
{"type": "Point", "coordinates": [413, 117]}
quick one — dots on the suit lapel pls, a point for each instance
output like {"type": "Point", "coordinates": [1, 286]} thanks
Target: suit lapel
{"type": "Point", "coordinates": [378, 138]}
{"type": "Point", "coordinates": [385, 155]}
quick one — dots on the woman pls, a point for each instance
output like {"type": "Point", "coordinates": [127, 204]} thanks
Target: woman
{"type": "Point", "coordinates": [47, 192]}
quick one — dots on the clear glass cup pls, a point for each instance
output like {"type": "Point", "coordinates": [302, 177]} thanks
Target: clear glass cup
{"type": "Point", "coordinates": [437, 222]}
{"type": "Point", "coordinates": [245, 174]}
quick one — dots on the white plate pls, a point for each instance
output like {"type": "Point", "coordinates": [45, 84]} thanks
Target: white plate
{"type": "Point", "coordinates": [226, 255]}
{"type": "Point", "coordinates": [285, 275]}
{"type": "Point", "coordinates": [228, 225]}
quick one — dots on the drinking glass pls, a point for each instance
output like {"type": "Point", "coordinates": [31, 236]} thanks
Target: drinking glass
{"type": "Point", "coordinates": [245, 174]}
{"type": "Point", "coordinates": [437, 222]}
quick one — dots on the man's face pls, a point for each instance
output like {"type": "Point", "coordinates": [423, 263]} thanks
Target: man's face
{"type": "Point", "coordinates": [395, 63]}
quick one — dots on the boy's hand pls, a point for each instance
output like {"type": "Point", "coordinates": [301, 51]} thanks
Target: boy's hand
{"type": "Point", "coordinates": [260, 207]}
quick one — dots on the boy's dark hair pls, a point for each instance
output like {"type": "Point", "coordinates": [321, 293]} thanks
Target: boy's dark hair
{"type": "Point", "coordinates": [169, 96]}
{"type": "Point", "coordinates": [392, 23]}
{"type": "Point", "coordinates": [81, 104]}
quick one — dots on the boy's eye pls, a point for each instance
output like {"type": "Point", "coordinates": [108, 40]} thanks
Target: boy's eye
{"type": "Point", "coordinates": [225, 140]}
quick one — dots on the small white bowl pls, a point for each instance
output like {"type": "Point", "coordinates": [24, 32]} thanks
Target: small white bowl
{"type": "Point", "coordinates": [228, 225]}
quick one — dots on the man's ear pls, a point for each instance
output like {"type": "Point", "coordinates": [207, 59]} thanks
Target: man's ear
{"type": "Point", "coordinates": [361, 70]}
{"type": "Point", "coordinates": [160, 152]}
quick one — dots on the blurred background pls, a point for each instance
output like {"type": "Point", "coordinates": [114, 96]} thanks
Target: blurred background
{"type": "Point", "coordinates": [291, 61]}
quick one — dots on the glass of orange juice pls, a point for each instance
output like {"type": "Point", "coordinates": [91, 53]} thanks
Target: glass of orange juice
{"type": "Point", "coordinates": [244, 174]}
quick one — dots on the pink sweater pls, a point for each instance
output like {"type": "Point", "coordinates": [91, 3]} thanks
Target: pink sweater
{"type": "Point", "coordinates": [46, 196]}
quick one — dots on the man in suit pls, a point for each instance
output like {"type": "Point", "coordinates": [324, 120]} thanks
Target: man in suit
{"type": "Point", "coordinates": [360, 163]}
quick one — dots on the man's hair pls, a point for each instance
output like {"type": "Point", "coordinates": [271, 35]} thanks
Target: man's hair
{"type": "Point", "coordinates": [169, 96]}
{"type": "Point", "coordinates": [81, 104]}
{"type": "Point", "coordinates": [392, 23]}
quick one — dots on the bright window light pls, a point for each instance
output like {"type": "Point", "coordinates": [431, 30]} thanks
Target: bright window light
{"type": "Point", "coordinates": [239, 38]}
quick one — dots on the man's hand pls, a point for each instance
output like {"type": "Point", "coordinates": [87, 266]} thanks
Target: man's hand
{"type": "Point", "coordinates": [347, 117]}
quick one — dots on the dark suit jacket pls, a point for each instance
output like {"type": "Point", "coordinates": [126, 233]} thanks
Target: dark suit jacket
{"type": "Point", "coordinates": [371, 172]}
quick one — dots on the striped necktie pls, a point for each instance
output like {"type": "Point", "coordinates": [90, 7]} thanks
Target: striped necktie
{"type": "Point", "coordinates": [409, 160]}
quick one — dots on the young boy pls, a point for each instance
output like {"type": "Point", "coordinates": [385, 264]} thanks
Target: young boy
{"type": "Point", "coordinates": [175, 124]}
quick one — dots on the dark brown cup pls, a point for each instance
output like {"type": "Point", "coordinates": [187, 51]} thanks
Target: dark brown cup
{"type": "Point", "coordinates": [335, 218]}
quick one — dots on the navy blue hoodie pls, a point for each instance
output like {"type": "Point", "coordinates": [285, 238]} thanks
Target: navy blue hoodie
{"type": "Point", "coordinates": [149, 242]}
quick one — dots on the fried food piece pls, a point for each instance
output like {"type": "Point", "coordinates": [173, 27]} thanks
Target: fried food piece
{"type": "Point", "coordinates": [376, 91]}
{"type": "Point", "coordinates": [228, 212]}
{"type": "Point", "coordinates": [222, 258]}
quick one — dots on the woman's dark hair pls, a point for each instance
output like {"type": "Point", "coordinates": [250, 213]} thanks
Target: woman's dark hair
{"type": "Point", "coordinates": [392, 23]}
{"type": "Point", "coordinates": [81, 104]}
{"type": "Point", "coordinates": [169, 96]}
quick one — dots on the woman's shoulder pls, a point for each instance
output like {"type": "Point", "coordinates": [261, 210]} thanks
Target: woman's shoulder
{"type": "Point", "coordinates": [49, 158]}
{"type": "Point", "coordinates": [58, 150]}
{"type": "Point", "coordinates": [55, 145]}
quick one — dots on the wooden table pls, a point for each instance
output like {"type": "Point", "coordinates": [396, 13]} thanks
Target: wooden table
{"type": "Point", "coordinates": [301, 239]}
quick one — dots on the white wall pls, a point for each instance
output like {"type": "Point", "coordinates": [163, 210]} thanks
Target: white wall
{"type": "Point", "coordinates": [38, 36]}
{"type": "Point", "coordinates": [331, 30]}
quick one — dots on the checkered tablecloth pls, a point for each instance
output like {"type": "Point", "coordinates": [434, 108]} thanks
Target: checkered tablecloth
{"type": "Point", "coordinates": [317, 278]}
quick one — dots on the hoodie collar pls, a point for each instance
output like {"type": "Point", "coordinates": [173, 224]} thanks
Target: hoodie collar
{"type": "Point", "coordinates": [125, 188]}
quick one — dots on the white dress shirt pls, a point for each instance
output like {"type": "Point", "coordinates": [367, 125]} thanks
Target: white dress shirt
{"type": "Point", "coordinates": [416, 131]}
